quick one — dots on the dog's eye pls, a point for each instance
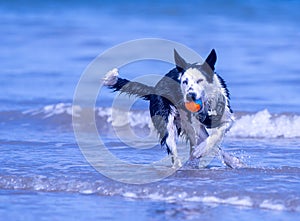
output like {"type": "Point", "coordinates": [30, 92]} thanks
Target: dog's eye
{"type": "Point", "coordinates": [185, 82]}
{"type": "Point", "coordinates": [199, 81]}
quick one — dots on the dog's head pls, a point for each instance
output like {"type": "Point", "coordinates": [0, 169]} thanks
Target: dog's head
{"type": "Point", "coordinates": [196, 78]}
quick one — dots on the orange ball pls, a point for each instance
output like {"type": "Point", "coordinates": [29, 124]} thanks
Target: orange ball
{"type": "Point", "coordinates": [192, 106]}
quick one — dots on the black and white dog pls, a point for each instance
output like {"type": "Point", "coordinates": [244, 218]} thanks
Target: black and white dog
{"type": "Point", "coordinates": [195, 84]}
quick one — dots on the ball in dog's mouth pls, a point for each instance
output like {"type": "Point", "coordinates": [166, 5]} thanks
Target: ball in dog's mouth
{"type": "Point", "coordinates": [194, 106]}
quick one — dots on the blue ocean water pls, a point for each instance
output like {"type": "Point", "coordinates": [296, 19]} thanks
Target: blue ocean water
{"type": "Point", "coordinates": [46, 46]}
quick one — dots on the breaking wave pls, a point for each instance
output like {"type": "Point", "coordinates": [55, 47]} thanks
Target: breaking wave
{"type": "Point", "coordinates": [262, 124]}
{"type": "Point", "coordinates": [170, 190]}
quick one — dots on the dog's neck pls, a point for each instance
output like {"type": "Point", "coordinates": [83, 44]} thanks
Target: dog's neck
{"type": "Point", "coordinates": [213, 111]}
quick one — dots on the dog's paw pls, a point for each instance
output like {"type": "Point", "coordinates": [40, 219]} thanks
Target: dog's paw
{"type": "Point", "coordinates": [205, 153]}
{"type": "Point", "coordinates": [111, 77]}
{"type": "Point", "coordinates": [177, 163]}
{"type": "Point", "coordinates": [231, 161]}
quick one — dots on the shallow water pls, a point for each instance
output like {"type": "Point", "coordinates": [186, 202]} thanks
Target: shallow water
{"type": "Point", "coordinates": [45, 164]}
{"type": "Point", "coordinates": [46, 47]}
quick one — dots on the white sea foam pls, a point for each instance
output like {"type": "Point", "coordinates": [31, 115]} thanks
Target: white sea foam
{"type": "Point", "coordinates": [266, 204]}
{"type": "Point", "coordinates": [44, 184]}
{"type": "Point", "coordinates": [262, 124]}
{"type": "Point", "coordinates": [265, 125]}
{"type": "Point", "coordinates": [119, 118]}
{"type": "Point", "coordinates": [56, 109]}
{"type": "Point", "coordinates": [87, 192]}
{"type": "Point", "coordinates": [245, 201]}
{"type": "Point", "coordinates": [236, 201]}
{"type": "Point", "coordinates": [155, 196]}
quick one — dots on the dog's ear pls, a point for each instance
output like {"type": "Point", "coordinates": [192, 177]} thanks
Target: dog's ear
{"type": "Point", "coordinates": [181, 64]}
{"type": "Point", "coordinates": [211, 59]}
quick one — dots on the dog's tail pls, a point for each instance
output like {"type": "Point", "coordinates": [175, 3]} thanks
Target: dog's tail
{"type": "Point", "coordinates": [112, 81]}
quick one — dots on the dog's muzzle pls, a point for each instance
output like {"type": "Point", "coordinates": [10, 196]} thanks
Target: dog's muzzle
{"type": "Point", "coordinates": [191, 97]}
{"type": "Point", "coordinates": [192, 103]}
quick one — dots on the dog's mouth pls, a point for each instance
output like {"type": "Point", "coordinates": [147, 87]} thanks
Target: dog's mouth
{"type": "Point", "coordinates": [191, 97]}
{"type": "Point", "coordinates": [192, 103]}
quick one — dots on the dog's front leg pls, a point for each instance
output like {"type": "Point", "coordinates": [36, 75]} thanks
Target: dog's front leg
{"type": "Point", "coordinates": [210, 147]}
{"type": "Point", "coordinates": [171, 144]}
{"type": "Point", "coordinates": [171, 140]}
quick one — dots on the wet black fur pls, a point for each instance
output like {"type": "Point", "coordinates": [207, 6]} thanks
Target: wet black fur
{"type": "Point", "coordinates": [161, 100]}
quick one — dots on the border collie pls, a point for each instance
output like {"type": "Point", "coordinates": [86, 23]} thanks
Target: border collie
{"type": "Point", "coordinates": [192, 101]}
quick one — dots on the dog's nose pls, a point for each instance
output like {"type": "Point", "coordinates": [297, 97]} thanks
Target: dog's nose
{"type": "Point", "coordinates": [191, 97]}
